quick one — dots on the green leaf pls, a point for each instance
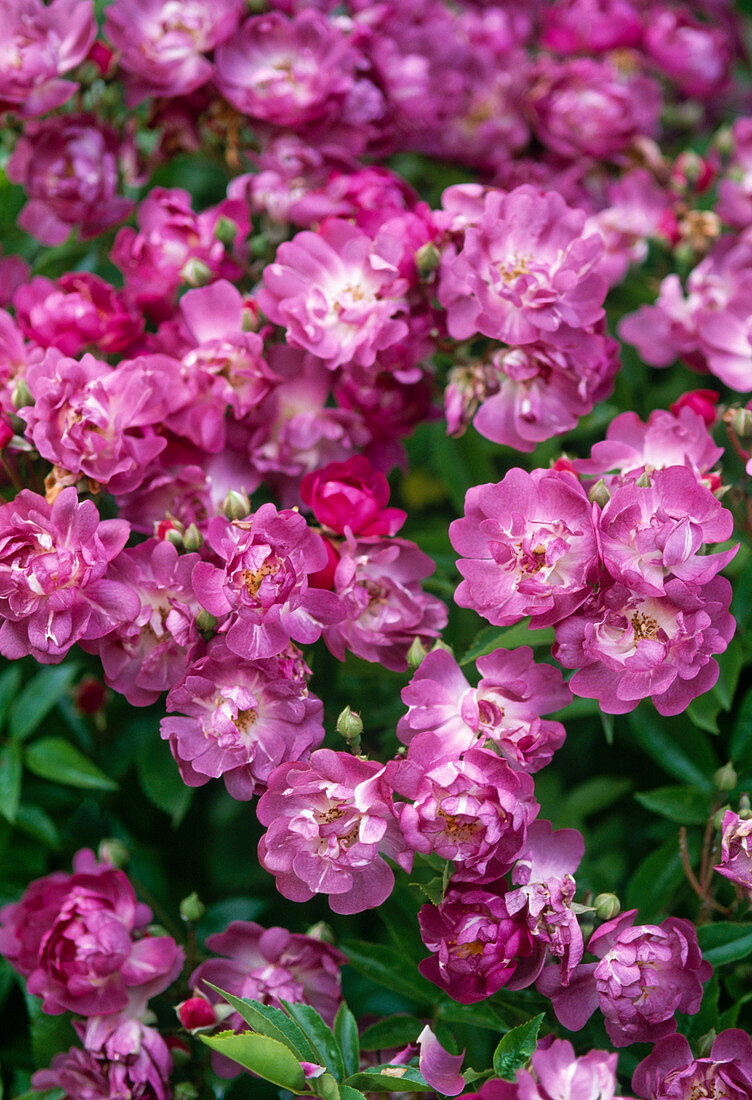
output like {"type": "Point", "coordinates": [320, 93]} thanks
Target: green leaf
{"type": "Point", "coordinates": [327, 1087]}
{"type": "Point", "coordinates": [740, 748]}
{"type": "Point", "coordinates": [655, 882]}
{"type": "Point", "coordinates": [590, 797]}
{"type": "Point", "coordinates": [261, 1055]}
{"type": "Point", "coordinates": [496, 1017]}
{"type": "Point", "coordinates": [725, 942]}
{"type": "Point", "coordinates": [730, 665]}
{"type": "Point", "coordinates": [10, 780]}
{"type": "Point", "coordinates": [319, 1035]}
{"type": "Point", "coordinates": [42, 1094]}
{"type": "Point", "coordinates": [395, 1031]}
{"type": "Point", "coordinates": [686, 805]}
{"type": "Point", "coordinates": [433, 889]}
{"type": "Point", "coordinates": [346, 1034]}
{"type": "Point", "coordinates": [56, 759]}
{"type": "Point", "coordinates": [386, 966]}
{"type": "Point", "coordinates": [491, 638]}
{"type": "Point", "coordinates": [272, 1022]}
{"type": "Point", "coordinates": [678, 748]}
{"type": "Point", "coordinates": [349, 1093]}
{"type": "Point", "coordinates": [9, 685]}
{"type": "Point", "coordinates": [37, 824]}
{"type": "Point", "coordinates": [704, 711]}
{"type": "Point", "coordinates": [38, 698]}
{"type": "Point", "coordinates": [515, 1048]}
{"type": "Point", "coordinates": [160, 779]}
{"type": "Point", "coordinates": [389, 1079]}
{"type": "Point", "coordinates": [49, 1034]}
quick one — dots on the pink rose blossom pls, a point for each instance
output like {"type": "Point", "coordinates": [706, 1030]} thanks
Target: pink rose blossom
{"type": "Point", "coordinates": [670, 1072]}
{"type": "Point", "coordinates": [122, 1057]}
{"type": "Point", "coordinates": [68, 166]}
{"type": "Point", "coordinates": [627, 646]}
{"type": "Point", "coordinates": [14, 273]}
{"type": "Point", "coordinates": [736, 850]}
{"type": "Point", "coordinates": [240, 719]}
{"type": "Point", "coordinates": [53, 588]}
{"type": "Point", "coordinates": [543, 875]}
{"type": "Point", "coordinates": [478, 946]}
{"type": "Point", "coordinates": [79, 941]}
{"type": "Point", "coordinates": [474, 811]}
{"type": "Point", "coordinates": [556, 1073]}
{"type": "Point", "coordinates": [528, 394]}
{"type": "Point", "coordinates": [528, 547]}
{"type": "Point", "coordinates": [156, 259]}
{"type": "Point", "coordinates": [76, 313]}
{"type": "Point", "coordinates": [665, 439]}
{"type": "Point", "coordinates": [262, 582]}
{"type": "Point", "coordinates": [264, 964]}
{"type": "Point", "coordinates": [590, 26]}
{"type": "Point", "coordinates": [587, 107]}
{"type": "Point", "coordinates": [289, 72]}
{"type": "Point", "coordinates": [149, 653]}
{"type": "Point", "coordinates": [329, 821]}
{"type": "Point", "coordinates": [351, 496]}
{"type": "Point", "coordinates": [377, 582]}
{"type": "Point", "coordinates": [696, 56]}
{"type": "Point", "coordinates": [222, 366]}
{"type": "Point", "coordinates": [335, 294]}
{"type": "Point", "coordinates": [161, 43]}
{"type": "Point", "coordinates": [41, 42]}
{"type": "Point", "coordinates": [97, 421]}
{"type": "Point", "coordinates": [504, 711]}
{"type": "Point", "coordinates": [650, 532]}
{"type": "Point", "coordinates": [646, 973]}
{"type": "Point", "coordinates": [734, 205]}
{"type": "Point", "coordinates": [524, 269]}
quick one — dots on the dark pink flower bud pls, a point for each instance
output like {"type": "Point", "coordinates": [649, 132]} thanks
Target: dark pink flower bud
{"type": "Point", "coordinates": [703, 402]}
{"type": "Point", "coordinates": [196, 1012]}
{"type": "Point", "coordinates": [351, 495]}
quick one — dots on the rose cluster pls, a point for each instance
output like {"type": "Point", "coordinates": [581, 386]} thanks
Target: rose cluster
{"type": "Point", "coordinates": [617, 565]}
{"type": "Point", "coordinates": [83, 944]}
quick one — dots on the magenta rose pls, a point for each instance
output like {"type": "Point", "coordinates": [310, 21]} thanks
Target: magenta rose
{"type": "Point", "coordinates": [80, 941]}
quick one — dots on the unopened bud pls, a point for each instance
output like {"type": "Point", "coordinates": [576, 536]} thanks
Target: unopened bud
{"type": "Point", "coordinates": [416, 653]}
{"type": "Point", "coordinates": [196, 1013]}
{"type": "Point", "coordinates": [192, 539]}
{"type": "Point", "coordinates": [114, 852]}
{"type": "Point", "coordinates": [236, 505]}
{"type": "Point", "coordinates": [643, 481]}
{"type": "Point", "coordinates": [184, 1090]}
{"type": "Point", "coordinates": [175, 537]}
{"type": "Point", "coordinates": [606, 906]}
{"type": "Point", "coordinates": [740, 422]}
{"type": "Point", "coordinates": [745, 810]}
{"type": "Point", "coordinates": [195, 272]}
{"type": "Point", "coordinates": [225, 231]}
{"type": "Point", "coordinates": [192, 908]}
{"type": "Point", "coordinates": [427, 259]}
{"type": "Point", "coordinates": [599, 494]}
{"type": "Point", "coordinates": [350, 726]}
{"type": "Point", "coordinates": [206, 622]}
{"type": "Point", "coordinates": [258, 246]}
{"type": "Point", "coordinates": [21, 395]}
{"type": "Point", "coordinates": [719, 815]}
{"type": "Point", "coordinates": [321, 931]}
{"type": "Point", "coordinates": [705, 1043]}
{"type": "Point", "coordinates": [725, 778]}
